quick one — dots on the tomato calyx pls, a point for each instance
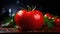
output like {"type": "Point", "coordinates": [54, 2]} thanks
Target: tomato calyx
{"type": "Point", "coordinates": [29, 8]}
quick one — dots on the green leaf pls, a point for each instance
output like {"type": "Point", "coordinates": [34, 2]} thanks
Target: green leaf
{"type": "Point", "coordinates": [46, 20]}
{"type": "Point", "coordinates": [49, 22]}
{"type": "Point", "coordinates": [12, 20]}
{"type": "Point", "coordinates": [9, 20]}
{"type": "Point", "coordinates": [5, 24]}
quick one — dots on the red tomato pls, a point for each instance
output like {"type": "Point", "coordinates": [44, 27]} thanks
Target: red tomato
{"type": "Point", "coordinates": [48, 15]}
{"type": "Point", "coordinates": [29, 20]}
{"type": "Point", "coordinates": [57, 21]}
{"type": "Point", "coordinates": [54, 17]}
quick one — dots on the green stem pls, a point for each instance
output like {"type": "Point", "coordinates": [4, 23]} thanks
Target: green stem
{"type": "Point", "coordinates": [33, 8]}
{"type": "Point", "coordinates": [28, 8]}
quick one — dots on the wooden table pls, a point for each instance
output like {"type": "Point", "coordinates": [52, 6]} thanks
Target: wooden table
{"type": "Point", "coordinates": [9, 30]}
{"type": "Point", "coordinates": [13, 30]}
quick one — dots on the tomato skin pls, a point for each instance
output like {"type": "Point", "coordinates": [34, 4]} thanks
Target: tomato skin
{"type": "Point", "coordinates": [57, 21]}
{"type": "Point", "coordinates": [29, 20]}
{"type": "Point", "coordinates": [48, 15]}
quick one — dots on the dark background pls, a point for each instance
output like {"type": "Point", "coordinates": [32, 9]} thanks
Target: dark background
{"type": "Point", "coordinates": [52, 7]}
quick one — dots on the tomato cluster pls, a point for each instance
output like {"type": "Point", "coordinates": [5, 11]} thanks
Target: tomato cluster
{"type": "Point", "coordinates": [55, 19]}
{"type": "Point", "coordinates": [35, 19]}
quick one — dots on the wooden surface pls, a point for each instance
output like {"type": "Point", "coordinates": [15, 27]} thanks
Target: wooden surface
{"type": "Point", "coordinates": [13, 30]}
{"type": "Point", "coordinates": [8, 30]}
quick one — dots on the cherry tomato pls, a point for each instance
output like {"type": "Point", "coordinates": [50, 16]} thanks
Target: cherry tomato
{"type": "Point", "coordinates": [48, 15]}
{"type": "Point", "coordinates": [57, 21]}
{"type": "Point", "coordinates": [29, 19]}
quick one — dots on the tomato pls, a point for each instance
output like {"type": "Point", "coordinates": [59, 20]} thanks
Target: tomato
{"type": "Point", "coordinates": [57, 21]}
{"type": "Point", "coordinates": [29, 19]}
{"type": "Point", "coordinates": [54, 17]}
{"type": "Point", "coordinates": [48, 15]}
